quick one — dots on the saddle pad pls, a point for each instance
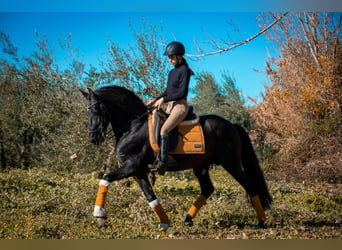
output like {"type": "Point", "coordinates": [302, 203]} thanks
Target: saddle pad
{"type": "Point", "coordinates": [190, 141]}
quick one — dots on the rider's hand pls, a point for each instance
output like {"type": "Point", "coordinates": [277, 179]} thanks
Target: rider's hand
{"type": "Point", "coordinates": [159, 102]}
{"type": "Point", "coordinates": [150, 103]}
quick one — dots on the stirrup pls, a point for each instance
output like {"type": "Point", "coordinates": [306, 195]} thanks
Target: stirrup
{"type": "Point", "coordinates": [153, 167]}
{"type": "Point", "coordinates": [160, 168]}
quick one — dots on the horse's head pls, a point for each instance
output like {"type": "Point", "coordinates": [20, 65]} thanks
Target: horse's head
{"type": "Point", "coordinates": [98, 119]}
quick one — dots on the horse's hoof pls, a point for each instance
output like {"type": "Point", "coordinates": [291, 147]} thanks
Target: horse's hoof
{"type": "Point", "coordinates": [100, 212]}
{"type": "Point", "coordinates": [261, 225]}
{"type": "Point", "coordinates": [188, 221]}
{"type": "Point", "coordinates": [101, 222]}
{"type": "Point", "coordinates": [163, 227]}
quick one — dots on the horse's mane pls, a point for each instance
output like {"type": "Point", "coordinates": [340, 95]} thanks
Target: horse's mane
{"type": "Point", "coordinates": [121, 97]}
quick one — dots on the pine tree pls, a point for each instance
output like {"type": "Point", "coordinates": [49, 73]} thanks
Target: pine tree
{"type": "Point", "coordinates": [224, 100]}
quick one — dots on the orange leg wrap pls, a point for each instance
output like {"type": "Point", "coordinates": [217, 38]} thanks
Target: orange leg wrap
{"type": "Point", "coordinates": [258, 208]}
{"type": "Point", "coordinates": [200, 202]}
{"type": "Point", "coordinates": [162, 216]}
{"type": "Point", "coordinates": [101, 196]}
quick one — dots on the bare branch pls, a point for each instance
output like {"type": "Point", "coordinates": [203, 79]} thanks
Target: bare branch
{"type": "Point", "coordinates": [238, 44]}
{"type": "Point", "coordinates": [305, 24]}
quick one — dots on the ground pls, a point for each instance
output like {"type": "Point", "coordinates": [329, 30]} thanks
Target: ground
{"type": "Point", "coordinates": [41, 204]}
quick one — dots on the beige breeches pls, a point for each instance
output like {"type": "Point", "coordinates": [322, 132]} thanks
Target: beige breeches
{"type": "Point", "coordinates": [178, 110]}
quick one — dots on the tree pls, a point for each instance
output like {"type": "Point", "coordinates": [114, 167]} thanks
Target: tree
{"type": "Point", "coordinates": [304, 98]}
{"type": "Point", "coordinates": [225, 99]}
{"type": "Point", "coordinates": [228, 45]}
{"type": "Point", "coordinates": [306, 79]}
{"type": "Point", "coordinates": [207, 95]}
{"type": "Point", "coordinates": [141, 67]}
{"type": "Point", "coordinates": [41, 109]}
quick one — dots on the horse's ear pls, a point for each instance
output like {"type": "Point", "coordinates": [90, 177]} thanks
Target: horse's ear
{"type": "Point", "coordinates": [91, 92]}
{"type": "Point", "coordinates": [85, 94]}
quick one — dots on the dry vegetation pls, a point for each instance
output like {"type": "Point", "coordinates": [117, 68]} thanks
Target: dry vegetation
{"type": "Point", "coordinates": [298, 123]}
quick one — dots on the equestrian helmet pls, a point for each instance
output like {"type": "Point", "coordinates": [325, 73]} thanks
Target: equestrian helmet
{"type": "Point", "coordinates": [174, 48]}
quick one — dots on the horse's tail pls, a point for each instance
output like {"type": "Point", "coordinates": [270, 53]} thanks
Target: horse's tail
{"type": "Point", "coordinates": [252, 168]}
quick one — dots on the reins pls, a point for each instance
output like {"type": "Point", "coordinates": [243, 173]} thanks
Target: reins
{"type": "Point", "coordinates": [91, 105]}
{"type": "Point", "coordinates": [149, 110]}
{"type": "Point", "coordinates": [110, 134]}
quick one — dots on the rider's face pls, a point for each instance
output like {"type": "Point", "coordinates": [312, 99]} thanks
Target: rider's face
{"type": "Point", "coordinates": [174, 60]}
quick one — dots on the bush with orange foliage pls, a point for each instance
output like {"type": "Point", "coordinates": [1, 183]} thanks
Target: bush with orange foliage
{"type": "Point", "coordinates": [301, 109]}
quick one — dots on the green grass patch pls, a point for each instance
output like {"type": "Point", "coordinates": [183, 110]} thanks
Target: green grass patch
{"type": "Point", "coordinates": [43, 204]}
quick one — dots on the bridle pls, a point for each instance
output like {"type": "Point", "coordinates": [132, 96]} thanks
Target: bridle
{"type": "Point", "coordinates": [102, 119]}
{"type": "Point", "coordinates": [101, 127]}
{"type": "Point", "coordinates": [91, 105]}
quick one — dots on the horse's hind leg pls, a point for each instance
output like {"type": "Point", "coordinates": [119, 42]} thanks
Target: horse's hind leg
{"type": "Point", "coordinates": [207, 188]}
{"type": "Point", "coordinates": [145, 185]}
{"type": "Point", "coordinates": [235, 169]}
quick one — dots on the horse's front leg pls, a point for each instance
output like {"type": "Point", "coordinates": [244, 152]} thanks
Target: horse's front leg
{"type": "Point", "coordinates": [164, 222]}
{"type": "Point", "coordinates": [128, 169]}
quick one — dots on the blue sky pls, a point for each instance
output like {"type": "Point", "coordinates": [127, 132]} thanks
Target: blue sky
{"type": "Point", "coordinates": [90, 32]}
{"type": "Point", "coordinates": [91, 29]}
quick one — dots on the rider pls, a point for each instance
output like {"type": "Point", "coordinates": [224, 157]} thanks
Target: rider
{"type": "Point", "coordinates": [175, 96]}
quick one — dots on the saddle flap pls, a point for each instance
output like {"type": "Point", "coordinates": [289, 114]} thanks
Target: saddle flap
{"type": "Point", "coordinates": [187, 138]}
{"type": "Point", "coordinates": [192, 141]}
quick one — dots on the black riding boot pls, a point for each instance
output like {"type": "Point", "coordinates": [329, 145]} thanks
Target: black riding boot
{"type": "Point", "coordinates": [164, 147]}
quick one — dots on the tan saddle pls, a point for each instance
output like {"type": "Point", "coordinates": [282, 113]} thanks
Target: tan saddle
{"type": "Point", "coordinates": [186, 138]}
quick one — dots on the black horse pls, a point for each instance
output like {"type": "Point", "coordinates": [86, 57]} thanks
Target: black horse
{"type": "Point", "coordinates": [226, 144]}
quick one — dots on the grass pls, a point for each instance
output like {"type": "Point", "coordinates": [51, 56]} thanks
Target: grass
{"type": "Point", "coordinates": [42, 204]}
